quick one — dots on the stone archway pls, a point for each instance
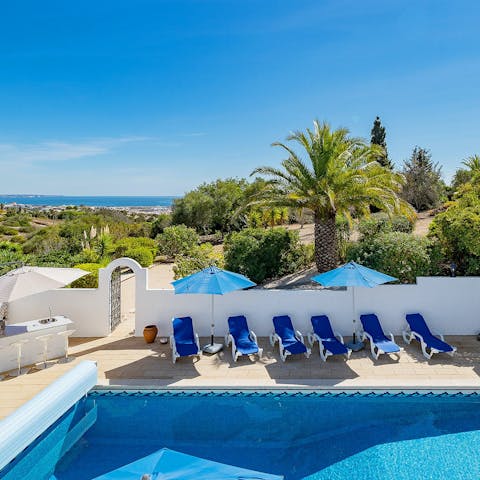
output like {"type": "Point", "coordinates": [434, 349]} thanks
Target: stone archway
{"type": "Point", "coordinates": [112, 278]}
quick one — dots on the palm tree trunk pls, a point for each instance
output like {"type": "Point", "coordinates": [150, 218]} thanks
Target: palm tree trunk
{"type": "Point", "coordinates": [326, 252]}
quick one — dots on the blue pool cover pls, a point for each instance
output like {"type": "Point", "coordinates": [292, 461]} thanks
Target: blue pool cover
{"type": "Point", "coordinates": [169, 464]}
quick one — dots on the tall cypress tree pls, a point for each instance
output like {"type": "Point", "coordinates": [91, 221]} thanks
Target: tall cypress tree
{"type": "Point", "coordinates": [423, 180]}
{"type": "Point", "coordinates": [378, 138]}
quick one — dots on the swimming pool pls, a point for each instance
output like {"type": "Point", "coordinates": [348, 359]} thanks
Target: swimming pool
{"type": "Point", "coordinates": [302, 435]}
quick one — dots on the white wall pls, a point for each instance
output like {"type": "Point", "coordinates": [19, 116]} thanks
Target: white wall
{"type": "Point", "coordinates": [87, 308]}
{"type": "Point", "coordinates": [450, 305]}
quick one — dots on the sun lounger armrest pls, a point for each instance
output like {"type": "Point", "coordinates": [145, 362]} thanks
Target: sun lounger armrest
{"type": "Point", "coordinates": [299, 336]}
{"type": "Point", "coordinates": [390, 334]}
{"type": "Point", "coordinates": [416, 334]}
{"type": "Point", "coordinates": [253, 336]}
{"type": "Point", "coordinates": [407, 336]}
{"type": "Point", "coordinates": [172, 340]}
{"type": "Point", "coordinates": [197, 341]}
{"type": "Point", "coordinates": [339, 336]}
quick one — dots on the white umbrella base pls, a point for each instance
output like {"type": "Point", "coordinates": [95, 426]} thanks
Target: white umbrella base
{"type": "Point", "coordinates": [212, 348]}
{"type": "Point", "coordinates": [356, 347]}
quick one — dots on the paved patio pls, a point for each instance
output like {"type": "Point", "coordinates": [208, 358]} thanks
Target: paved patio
{"type": "Point", "coordinates": [124, 360]}
{"type": "Point", "coordinates": [129, 361]}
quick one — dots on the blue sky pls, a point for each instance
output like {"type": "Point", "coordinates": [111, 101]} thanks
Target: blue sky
{"type": "Point", "coordinates": [155, 97]}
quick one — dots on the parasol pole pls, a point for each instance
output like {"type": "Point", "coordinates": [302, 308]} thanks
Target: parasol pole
{"type": "Point", "coordinates": [354, 316]}
{"type": "Point", "coordinates": [212, 326]}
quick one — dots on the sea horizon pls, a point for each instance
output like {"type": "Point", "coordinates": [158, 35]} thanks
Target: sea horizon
{"type": "Point", "coordinates": [41, 200]}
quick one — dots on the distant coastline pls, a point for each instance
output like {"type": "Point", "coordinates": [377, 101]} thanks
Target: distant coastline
{"type": "Point", "coordinates": [145, 204]}
{"type": "Point", "coordinates": [89, 201]}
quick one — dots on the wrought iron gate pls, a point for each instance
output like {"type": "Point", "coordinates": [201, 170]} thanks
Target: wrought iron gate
{"type": "Point", "coordinates": [115, 298]}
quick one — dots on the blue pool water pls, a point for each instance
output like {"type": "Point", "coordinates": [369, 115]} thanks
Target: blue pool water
{"type": "Point", "coordinates": [302, 435]}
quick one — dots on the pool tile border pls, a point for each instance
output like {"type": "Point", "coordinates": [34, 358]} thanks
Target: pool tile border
{"type": "Point", "coordinates": [202, 393]}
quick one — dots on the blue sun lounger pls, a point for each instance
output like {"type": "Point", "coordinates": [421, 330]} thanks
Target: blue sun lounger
{"type": "Point", "coordinates": [184, 341]}
{"type": "Point", "coordinates": [429, 342]}
{"type": "Point", "coordinates": [379, 342]}
{"type": "Point", "coordinates": [290, 341]}
{"type": "Point", "coordinates": [243, 340]}
{"type": "Point", "coordinates": [329, 342]}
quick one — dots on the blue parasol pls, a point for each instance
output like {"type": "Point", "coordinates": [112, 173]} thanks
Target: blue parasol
{"type": "Point", "coordinates": [353, 275]}
{"type": "Point", "coordinates": [214, 281]}
{"type": "Point", "coordinates": [168, 464]}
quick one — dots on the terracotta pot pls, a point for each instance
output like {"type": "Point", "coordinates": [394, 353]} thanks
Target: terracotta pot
{"type": "Point", "coordinates": [150, 333]}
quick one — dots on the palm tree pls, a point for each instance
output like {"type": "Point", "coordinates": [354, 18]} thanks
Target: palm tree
{"type": "Point", "coordinates": [472, 163]}
{"type": "Point", "coordinates": [341, 177]}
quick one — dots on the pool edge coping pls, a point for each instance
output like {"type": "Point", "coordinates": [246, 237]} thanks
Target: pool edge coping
{"type": "Point", "coordinates": [421, 389]}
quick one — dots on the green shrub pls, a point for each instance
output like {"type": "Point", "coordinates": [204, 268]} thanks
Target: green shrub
{"type": "Point", "coordinates": [19, 239]}
{"type": "Point", "coordinates": [177, 240]}
{"type": "Point", "coordinates": [28, 229]}
{"type": "Point", "coordinates": [86, 256]}
{"type": "Point", "coordinates": [381, 223]}
{"type": "Point", "coordinates": [17, 220]}
{"type": "Point", "coordinates": [124, 245]}
{"type": "Point", "coordinates": [369, 227]}
{"type": "Point", "coordinates": [103, 245]}
{"type": "Point", "coordinates": [399, 254]}
{"type": "Point", "coordinates": [55, 258]}
{"type": "Point", "coordinates": [47, 240]}
{"type": "Point", "coordinates": [7, 230]}
{"type": "Point", "coordinates": [400, 223]}
{"type": "Point", "coordinates": [309, 253]}
{"type": "Point", "coordinates": [162, 221]}
{"type": "Point", "coordinates": [10, 247]}
{"type": "Point", "coordinates": [198, 258]}
{"type": "Point", "coordinates": [458, 232]}
{"type": "Point", "coordinates": [70, 214]}
{"type": "Point", "coordinates": [264, 254]}
{"type": "Point", "coordinates": [143, 255]}
{"type": "Point", "coordinates": [10, 256]}
{"type": "Point", "coordinates": [88, 281]}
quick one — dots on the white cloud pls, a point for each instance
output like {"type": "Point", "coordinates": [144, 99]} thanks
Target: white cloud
{"type": "Point", "coordinates": [53, 151]}
{"type": "Point", "coordinates": [193, 134]}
